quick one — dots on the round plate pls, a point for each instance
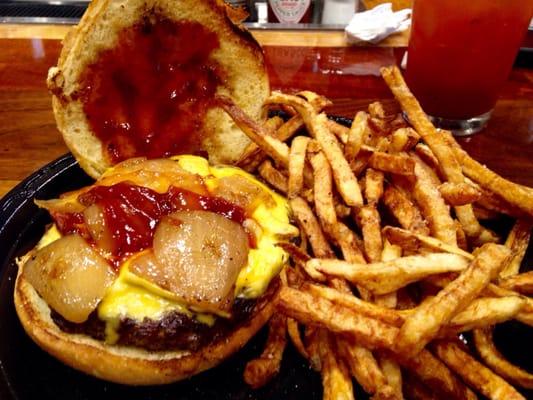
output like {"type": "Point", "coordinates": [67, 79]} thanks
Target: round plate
{"type": "Point", "coordinates": [27, 372]}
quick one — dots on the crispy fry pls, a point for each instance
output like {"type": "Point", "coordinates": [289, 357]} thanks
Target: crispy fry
{"type": "Point", "coordinates": [323, 192]}
{"type": "Point", "coordinates": [474, 373]}
{"type": "Point", "coordinates": [369, 221]}
{"type": "Point", "coordinates": [437, 376]}
{"type": "Point", "coordinates": [373, 185]}
{"type": "Point", "coordinates": [458, 194]}
{"type": "Point", "coordinates": [307, 220]}
{"type": "Point", "coordinates": [252, 156]}
{"type": "Point", "coordinates": [309, 309]}
{"type": "Point", "coordinates": [356, 135]}
{"type": "Point", "coordinates": [413, 241]}
{"type": "Point", "coordinates": [274, 177]}
{"type": "Point", "coordinates": [390, 252]}
{"type": "Point", "coordinates": [260, 371]}
{"type": "Point", "coordinates": [385, 315]}
{"type": "Point", "coordinates": [336, 379]}
{"type": "Point", "coordinates": [521, 283]}
{"type": "Point", "coordinates": [518, 241]}
{"type": "Point", "coordinates": [518, 196]}
{"type": "Point", "coordinates": [385, 277]}
{"type": "Point", "coordinates": [433, 206]}
{"type": "Point", "coordinates": [296, 165]}
{"type": "Point", "coordinates": [340, 131]}
{"type": "Point", "coordinates": [403, 139]}
{"type": "Point", "coordinates": [393, 374]}
{"type": "Point", "coordinates": [313, 338]}
{"type": "Point", "coordinates": [276, 149]}
{"type": "Point", "coordinates": [394, 163]}
{"type": "Point", "coordinates": [405, 212]}
{"type": "Point", "coordinates": [424, 324]}
{"type": "Point", "coordinates": [482, 312]}
{"type": "Point", "coordinates": [301, 259]}
{"type": "Point", "coordinates": [294, 334]}
{"type": "Point", "coordinates": [491, 356]}
{"type": "Point", "coordinates": [375, 109]}
{"type": "Point", "coordinates": [363, 366]}
{"type": "Point", "coordinates": [424, 152]}
{"type": "Point", "coordinates": [345, 238]}
{"type": "Point", "coordinates": [416, 390]}
{"type": "Point", "coordinates": [462, 241]}
{"type": "Point", "coordinates": [317, 126]}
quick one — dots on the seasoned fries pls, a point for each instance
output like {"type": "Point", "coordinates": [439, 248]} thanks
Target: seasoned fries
{"type": "Point", "coordinates": [474, 373]}
{"type": "Point", "coordinates": [392, 263]}
{"type": "Point", "coordinates": [388, 276]}
{"type": "Point", "coordinates": [423, 325]}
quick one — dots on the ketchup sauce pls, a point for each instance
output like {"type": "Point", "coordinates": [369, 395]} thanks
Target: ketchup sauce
{"type": "Point", "coordinates": [131, 213]}
{"type": "Point", "coordinates": [148, 95]}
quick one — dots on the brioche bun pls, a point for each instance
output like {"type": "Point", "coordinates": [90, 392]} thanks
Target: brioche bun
{"type": "Point", "coordinates": [245, 77]}
{"type": "Point", "coordinates": [130, 365]}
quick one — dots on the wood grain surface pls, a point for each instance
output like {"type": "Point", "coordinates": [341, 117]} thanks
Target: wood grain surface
{"type": "Point", "coordinates": [347, 75]}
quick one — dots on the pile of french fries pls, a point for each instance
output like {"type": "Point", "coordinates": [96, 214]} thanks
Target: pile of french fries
{"type": "Point", "coordinates": [392, 265]}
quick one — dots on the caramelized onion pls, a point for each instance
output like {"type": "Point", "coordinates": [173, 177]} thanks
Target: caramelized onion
{"type": "Point", "coordinates": [197, 255]}
{"type": "Point", "coordinates": [70, 276]}
{"type": "Point", "coordinates": [100, 233]}
{"type": "Point", "coordinates": [241, 191]}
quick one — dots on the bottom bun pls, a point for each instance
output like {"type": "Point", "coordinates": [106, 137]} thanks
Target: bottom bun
{"type": "Point", "coordinates": [130, 365]}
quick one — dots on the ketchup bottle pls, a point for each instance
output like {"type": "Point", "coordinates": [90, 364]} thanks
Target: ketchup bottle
{"type": "Point", "coordinates": [290, 11]}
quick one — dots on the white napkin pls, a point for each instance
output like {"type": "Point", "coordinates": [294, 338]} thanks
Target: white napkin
{"type": "Point", "coordinates": [376, 24]}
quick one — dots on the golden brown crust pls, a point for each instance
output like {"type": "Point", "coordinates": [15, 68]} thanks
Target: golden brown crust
{"type": "Point", "coordinates": [239, 54]}
{"type": "Point", "coordinates": [121, 364]}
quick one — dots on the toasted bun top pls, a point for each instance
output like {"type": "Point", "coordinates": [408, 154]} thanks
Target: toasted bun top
{"type": "Point", "coordinates": [239, 55]}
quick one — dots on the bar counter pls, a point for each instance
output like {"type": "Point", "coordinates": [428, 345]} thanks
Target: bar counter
{"type": "Point", "coordinates": [320, 61]}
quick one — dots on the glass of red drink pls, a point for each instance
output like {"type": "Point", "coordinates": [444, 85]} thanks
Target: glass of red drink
{"type": "Point", "coordinates": [460, 55]}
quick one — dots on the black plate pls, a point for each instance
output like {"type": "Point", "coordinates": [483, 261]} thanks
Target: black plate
{"type": "Point", "coordinates": [29, 373]}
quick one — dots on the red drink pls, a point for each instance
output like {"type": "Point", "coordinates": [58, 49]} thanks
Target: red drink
{"type": "Point", "coordinates": [461, 53]}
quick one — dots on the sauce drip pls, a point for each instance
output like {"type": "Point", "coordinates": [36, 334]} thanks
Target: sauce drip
{"type": "Point", "coordinates": [132, 212]}
{"type": "Point", "coordinates": [148, 95]}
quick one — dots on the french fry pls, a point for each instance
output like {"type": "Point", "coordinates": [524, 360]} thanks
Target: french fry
{"type": "Point", "coordinates": [275, 148]}
{"type": "Point", "coordinates": [301, 259]}
{"type": "Point", "coordinates": [369, 221]}
{"type": "Point", "coordinates": [403, 139]}
{"type": "Point", "coordinates": [260, 371]}
{"type": "Point", "coordinates": [373, 185]}
{"type": "Point", "coordinates": [416, 390]}
{"type": "Point", "coordinates": [385, 277]}
{"type": "Point", "coordinates": [385, 315]}
{"type": "Point", "coordinates": [323, 192]}
{"type": "Point", "coordinates": [340, 131]}
{"type": "Point", "coordinates": [252, 155]}
{"type": "Point", "coordinates": [474, 373]}
{"type": "Point", "coordinates": [423, 325]}
{"type": "Point", "coordinates": [296, 165]}
{"type": "Point", "coordinates": [458, 194]}
{"type": "Point", "coordinates": [518, 241]}
{"type": "Point", "coordinates": [317, 126]}
{"type": "Point", "coordinates": [518, 196]}
{"type": "Point", "coordinates": [424, 152]}
{"type": "Point", "coordinates": [462, 241]}
{"type": "Point", "coordinates": [356, 135]}
{"type": "Point", "coordinates": [393, 374]}
{"type": "Point", "coordinates": [521, 283]}
{"type": "Point", "coordinates": [436, 375]}
{"type": "Point", "coordinates": [433, 206]}
{"type": "Point", "coordinates": [363, 366]}
{"type": "Point", "coordinates": [336, 379]}
{"type": "Point", "coordinates": [491, 356]}
{"type": "Point", "coordinates": [294, 334]}
{"type": "Point", "coordinates": [390, 252]}
{"type": "Point", "coordinates": [406, 213]}
{"type": "Point", "coordinates": [345, 238]}
{"type": "Point", "coordinates": [310, 309]}
{"type": "Point", "coordinates": [375, 109]}
{"type": "Point", "coordinates": [307, 220]}
{"type": "Point", "coordinates": [399, 164]}
{"type": "Point", "coordinates": [482, 312]}
{"type": "Point", "coordinates": [274, 177]}
{"type": "Point", "coordinates": [414, 241]}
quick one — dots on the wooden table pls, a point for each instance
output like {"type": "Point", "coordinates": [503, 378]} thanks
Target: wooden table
{"type": "Point", "coordinates": [318, 61]}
